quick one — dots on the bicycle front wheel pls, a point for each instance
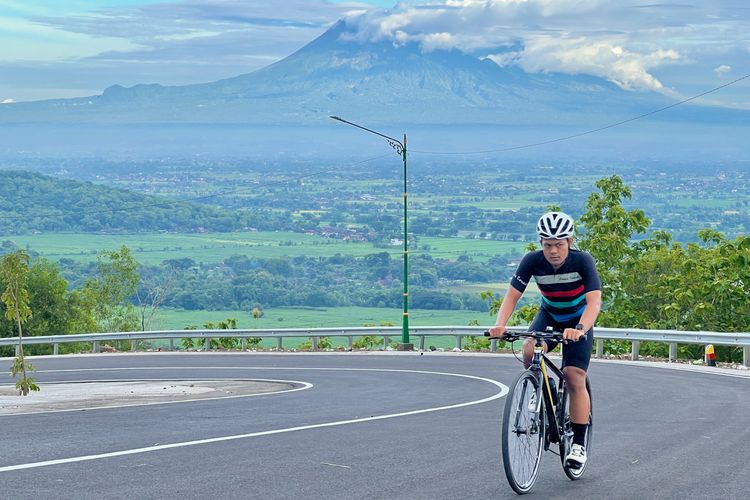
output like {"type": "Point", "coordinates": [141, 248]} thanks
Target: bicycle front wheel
{"type": "Point", "coordinates": [523, 433]}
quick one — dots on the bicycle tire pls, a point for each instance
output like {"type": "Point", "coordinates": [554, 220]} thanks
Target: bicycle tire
{"type": "Point", "coordinates": [575, 473]}
{"type": "Point", "coordinates": [523, 433]}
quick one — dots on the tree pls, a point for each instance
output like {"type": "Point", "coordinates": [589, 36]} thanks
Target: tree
{"type": "Point", "coordinates": [152, 293]}
{"type": "Point", "coordinates": [607, 231]}
{"type": "Point", "coordinates": [693, 287]}
{"type": "Point", "coordinates": [14, 268]}
{"type": "Point", "coordinates": [110, 291]}
{"type": "Point", "coordinates": [658, 284]}
{"type": "Point", "coordinates": [56, 309]}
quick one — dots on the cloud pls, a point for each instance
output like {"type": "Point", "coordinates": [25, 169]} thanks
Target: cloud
{"type": "Point", "coordinates": [567, 36]}
{"type": "Point", "coordinates": [162, 31]}
{"type": "Point", "coordinates": [177, 42]}
{"type": "Point", "coordinates": [65, 49]}
{"type": "Point", "coordinates": [629, 70]}
{"type": "Point", "coordinates": [722, 70]}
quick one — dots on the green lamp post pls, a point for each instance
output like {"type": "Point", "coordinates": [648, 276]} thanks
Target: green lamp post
{"type": "Point", "coordinates": [400, 148]}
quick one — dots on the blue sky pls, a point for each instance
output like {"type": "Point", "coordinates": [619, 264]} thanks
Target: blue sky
{"type": "Point", "coordinates": [53, 49]}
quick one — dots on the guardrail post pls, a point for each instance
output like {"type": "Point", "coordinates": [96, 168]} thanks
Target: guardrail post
{"type": "Point", "coordinates": [279, 345]}
{"type": "Point", "coordinates": [746, 356]}
{"type": "Point", "coordinates": [207, 344]}
{"type": "Point", "coordinates": [599, 348]}
{"type": "Point", "coordinates": [55, 348]}
{"type": "Point", "coordinates": [386, 341]}
{"type": "Point", "coordinates": [314, 343]}
{"type": "Point", "coordinates": [133, 345]}
{"type": "Point", "coordinates": [636, 350]}
{"type": "Point", "coordinates": [672, 351]}
{"type": "Point", "coordinates": [171, 345]}
{"type": "Point", "coordinates": [421, 342]}
{"type": "Point", "coordinates": [18, 350]}
{"type": "Point", "coordinates": [244, 344]}
{"type": "Point", "coordinates": [95, 346]}
{"type": "Point", "coordinates": [458, 342]}
{"type": "Point", "coordinates": [351, 342]}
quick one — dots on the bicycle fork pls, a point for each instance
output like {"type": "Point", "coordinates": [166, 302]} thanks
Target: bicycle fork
{"type": "Point", "coordinates": [545, 392]}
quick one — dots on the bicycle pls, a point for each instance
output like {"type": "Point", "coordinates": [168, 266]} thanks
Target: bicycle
{"type": "Point", "coordinates": [537, 416]}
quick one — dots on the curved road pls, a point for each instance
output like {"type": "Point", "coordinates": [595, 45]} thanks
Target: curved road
{"type": "Point", "coordinates": [367, 426]}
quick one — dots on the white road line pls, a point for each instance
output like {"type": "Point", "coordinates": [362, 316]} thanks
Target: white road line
{"type": "Point", "coordinates": [503, 391]}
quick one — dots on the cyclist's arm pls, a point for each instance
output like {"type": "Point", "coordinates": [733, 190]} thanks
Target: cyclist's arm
{"type": "Point", "coordinates": [506, 309]}
{"type": "Point", "coordinates": [588, 318]}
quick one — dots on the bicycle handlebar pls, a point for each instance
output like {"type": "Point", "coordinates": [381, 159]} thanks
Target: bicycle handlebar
{"type": "Point", "coordinates": [555, 336]}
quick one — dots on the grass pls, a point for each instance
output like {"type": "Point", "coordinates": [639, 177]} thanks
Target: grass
{"type": "Point", "coordinates": [315, 317]}
{"type": "Point", "coordinates": [499, 288]}
{"type": "Point", "coordinates": [450, 248]}
{"type": "Point", "coordinates": [154, 248]}
{"type": "Point", "coordinates": [503, 204]}
{"type": "Point", "coordinates": [692, 201]}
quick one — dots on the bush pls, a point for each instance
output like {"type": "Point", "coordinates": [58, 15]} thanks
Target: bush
{"type": "Point", "coordinates": [477, 343]}
{"type": "Point", "coordinates": [323, 343]}
{"type": "Point", "coordinates": [368, 342]}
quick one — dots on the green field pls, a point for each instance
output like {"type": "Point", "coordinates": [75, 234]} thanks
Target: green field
{"type": "Point", "coordinates": [154, 248]}
{"type": "Point", "coordinates": [504, 204]}
{"type": "Point", "coordinates": [284, 317]}
{"type": "Point", "coordinates": [451, 248]}
{"type": "Point", "coordinates": [499, 288]}
{"type": "Point", "coordinates": [718, 201]}
{"type": "Point", "coordinates": [315, 317]}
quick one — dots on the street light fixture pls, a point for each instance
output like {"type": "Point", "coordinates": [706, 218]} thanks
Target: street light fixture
{"type": "Point", "coordinates": [400, 148]}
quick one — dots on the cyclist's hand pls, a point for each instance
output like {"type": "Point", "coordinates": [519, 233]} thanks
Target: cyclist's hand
{"type": "Point", "coordinates": [572, 334]}
{"type": "Point", "coordinates": [497, 331]}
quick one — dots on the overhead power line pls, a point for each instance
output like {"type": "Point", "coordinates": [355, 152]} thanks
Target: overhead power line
{"type": "Point", "coordinates": [338, 168]}
{"type": "Point", "coordinates": [587, 132]}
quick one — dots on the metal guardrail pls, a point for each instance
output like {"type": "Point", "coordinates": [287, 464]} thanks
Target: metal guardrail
{"type": "Point", "coordinates": [636, 336]}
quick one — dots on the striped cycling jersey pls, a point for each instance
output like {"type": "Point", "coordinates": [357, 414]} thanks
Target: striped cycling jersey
{"type": "Point", "coordinates": [563, 290]}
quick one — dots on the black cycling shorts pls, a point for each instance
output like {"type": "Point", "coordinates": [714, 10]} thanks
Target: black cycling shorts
{"type": "Point", "coordinates": [576, 354]}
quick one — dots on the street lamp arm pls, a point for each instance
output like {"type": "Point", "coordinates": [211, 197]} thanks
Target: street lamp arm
{"type": "Point", "coordinates": [395, 143]}
{"type": "Point", "coordinates": [400, 148]}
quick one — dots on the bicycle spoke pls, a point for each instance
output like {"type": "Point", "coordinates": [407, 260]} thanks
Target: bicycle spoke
{"type": "Point", "coordinates": [522, 436]}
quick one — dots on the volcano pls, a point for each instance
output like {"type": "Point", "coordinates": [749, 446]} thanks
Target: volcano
{"type": "Point", "coordinates": [375, 82]}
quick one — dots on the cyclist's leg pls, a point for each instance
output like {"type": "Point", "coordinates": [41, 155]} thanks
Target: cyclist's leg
{"type": "Point", "coordinates": [541, 321]}
{"type": "Point", "coordinates": [575, 379]}
{"type": "Point", "coordinates": [576, 358]}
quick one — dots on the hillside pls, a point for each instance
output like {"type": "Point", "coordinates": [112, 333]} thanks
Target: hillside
{"type": "Point", "coordinates": [375, 82]}
{"type": "Point", "coordinates": [33, 202]}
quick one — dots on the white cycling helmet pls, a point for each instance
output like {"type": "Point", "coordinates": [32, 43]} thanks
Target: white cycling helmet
{"type": "Point", "coordinates": [555, 225]}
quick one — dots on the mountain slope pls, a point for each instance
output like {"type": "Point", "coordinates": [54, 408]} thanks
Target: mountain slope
{"type": "Point", "coordinates": [376, 82]}
{"type": "Point", "coordinates": [34, 202]}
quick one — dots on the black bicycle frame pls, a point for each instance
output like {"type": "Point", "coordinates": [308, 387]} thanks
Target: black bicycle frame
{"type": "Point", "coordinates": [541, 363]}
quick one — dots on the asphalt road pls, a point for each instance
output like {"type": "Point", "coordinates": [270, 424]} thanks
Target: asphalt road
{"type": "Point", "coordinates": [398, 426]}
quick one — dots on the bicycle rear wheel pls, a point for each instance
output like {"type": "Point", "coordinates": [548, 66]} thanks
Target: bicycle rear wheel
{"type": "Point", "coordinates": [575, 472]}
{"type": "Point", "coordinates": [523, 433]}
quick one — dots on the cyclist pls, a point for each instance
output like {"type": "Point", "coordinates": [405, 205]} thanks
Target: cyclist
{"type": "Point", "coordinates": [571, 300]}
